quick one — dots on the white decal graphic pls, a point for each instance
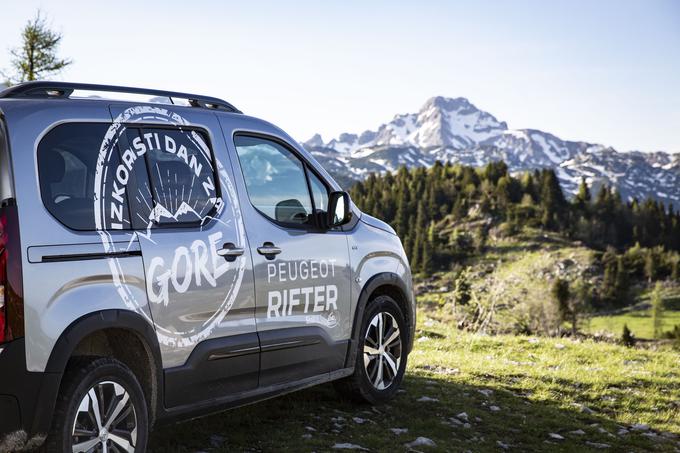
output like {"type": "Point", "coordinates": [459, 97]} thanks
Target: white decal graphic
{"type": "Point", "coordinates": [320, 298]}
{"type": "Point", "coordinates": [179, 186]}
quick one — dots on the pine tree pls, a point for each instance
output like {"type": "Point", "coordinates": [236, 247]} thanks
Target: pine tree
{"type": "Point", "coordinates": [651, 266]}
{"type": "Point", "coordinates": [583, 194]}
{"type": "Point", "coordinates": [561, 294]}
{"type": "Point", "coordinates": [529, 186]}
{"type": "Point", "coordinates": [657, 311]}
{"type": "Point", "coordinates": [37, 58]}
{"type": "Point", "coordinates": [581, 299]}
{"type": "Point", "coordinates": [462, 292]}
{"type": "Point", "coordinates": [401, 222]}
{"type": "Point", "coordinates": [451, 193]}
{"type": "Point", "coordinates": [420, 237]}
{"type": "Point", "coordinates": [552, 200]}
{"type": "Point", "coordinates": [429, 245]}
{"type": "Point", "coordinates": [627, 337]}
{"type": "Point", "coordinates": [621, 282]}
{"type": "Point", "coordinates": [675, 267]}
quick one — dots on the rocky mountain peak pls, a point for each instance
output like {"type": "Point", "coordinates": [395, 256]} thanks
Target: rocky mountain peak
{"type": "Point", "coordinates": [455, 130]}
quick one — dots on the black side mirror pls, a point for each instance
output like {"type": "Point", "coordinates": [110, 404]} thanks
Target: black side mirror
{"type": "Point", "coordinates": [338, 209]}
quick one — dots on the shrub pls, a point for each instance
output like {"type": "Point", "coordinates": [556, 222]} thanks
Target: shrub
{"type": "Point", "coordinates": [627, 338]}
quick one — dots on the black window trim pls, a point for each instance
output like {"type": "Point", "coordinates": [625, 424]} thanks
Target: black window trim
{"type": "Point", "coordinates": [307, 167]}
{"type": "Point", "coordinates": [137, 125]}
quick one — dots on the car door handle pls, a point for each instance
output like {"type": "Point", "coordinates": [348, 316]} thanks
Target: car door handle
{"type": "Point", "coordinates": [268, 249]}
{"type": "Point", "coordinates": [230, 252]}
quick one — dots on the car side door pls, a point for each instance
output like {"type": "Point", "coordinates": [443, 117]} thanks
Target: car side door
{"type": "Point", "coordinates": [187, 219]}
{"type": "Point", "coordinates": [302, 271]}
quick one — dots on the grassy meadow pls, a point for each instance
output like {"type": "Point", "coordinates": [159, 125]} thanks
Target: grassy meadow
{"type": "Point", "coordinates": [482, 392]}
{"type": "Point", "coordinates": [471, 392]}
{"type": "Point", "coordinates": [639, 318]}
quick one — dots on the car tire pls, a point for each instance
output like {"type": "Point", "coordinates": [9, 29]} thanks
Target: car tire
{"type": "Point", "coordinates": [380, 357]}
{"type": "Point", "coordinates": [100, 400]}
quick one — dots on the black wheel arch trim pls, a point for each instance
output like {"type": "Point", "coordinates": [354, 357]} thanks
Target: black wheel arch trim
{"type": "Point", "coordinates": [93, 323]}
{"type": "Point", "coordinates": [367, 291]}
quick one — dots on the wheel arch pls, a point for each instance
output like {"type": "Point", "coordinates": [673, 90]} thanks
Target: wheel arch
{"type": "Point", "coordinates": [119, 334]}
{"type": "Point", "coordinates": [384, 283]}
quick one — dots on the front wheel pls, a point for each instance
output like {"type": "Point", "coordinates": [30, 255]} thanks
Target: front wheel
{"type": "Point", "coordinates": [381, 356]}
{"type": "Point", "coordinates": [101, 408]}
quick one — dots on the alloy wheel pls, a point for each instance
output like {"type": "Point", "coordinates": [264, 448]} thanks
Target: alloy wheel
{"type": "Point", "coordinates": [105, 421]}
{"type": "Point", "coordinates": [382, 350]}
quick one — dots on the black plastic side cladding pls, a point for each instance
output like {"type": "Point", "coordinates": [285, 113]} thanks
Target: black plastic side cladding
{"type": "Point", "coordinates": [28, 396]}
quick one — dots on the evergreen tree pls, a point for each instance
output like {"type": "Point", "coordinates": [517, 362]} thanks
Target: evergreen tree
{"type": "Point", "coordinates": [420, 238]}
{"type": "Point", "coordinates": [583, 195]}
{"type": "Point", "coordinates": [462, 292]}
{"type": "Point", "coordinates": [651, 266]}
{"type": "Point", "coordinates": [621, 282]}
{"type": "Point", "coordinates": [450, 194]}
{"type": "Point", "coordinates": [428, 257]}
{"type": "Point", "coordinates": [37, 58]}
{"type": "Point", "coordinates": [552, 200]}
{"type": "Point", "coordinates": [578, 303]}
{"type": "Point", "coordinates": [627, 337]}
{"type": "Point", "coordinates": [561, 294]}
{"type": "Point", "coordinates": [657, 310]}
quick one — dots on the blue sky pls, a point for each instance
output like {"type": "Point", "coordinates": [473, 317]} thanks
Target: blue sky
{"type": "Point", "coordinates": [601, 71]}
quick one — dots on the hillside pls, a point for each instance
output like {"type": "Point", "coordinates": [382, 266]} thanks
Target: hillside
{"type": "Point", "coordinates": [510, 289]}
{"type": "Point", "coordinates": [455, 130]}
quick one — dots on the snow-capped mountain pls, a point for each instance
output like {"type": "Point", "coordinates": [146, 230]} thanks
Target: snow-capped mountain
{"type": "Point", "coordinates": [453, 129]}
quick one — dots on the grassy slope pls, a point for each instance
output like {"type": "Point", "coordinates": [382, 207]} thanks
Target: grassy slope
{"type": "Point", "coordinates": [537, 385]}
{"type": "Point", "coordinates": [518, 273]}
{"type": "Point", "coordinates": [639, 321]}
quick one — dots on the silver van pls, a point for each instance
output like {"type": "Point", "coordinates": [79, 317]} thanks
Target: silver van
{"type": "Point", "coordinates": [164, 256]}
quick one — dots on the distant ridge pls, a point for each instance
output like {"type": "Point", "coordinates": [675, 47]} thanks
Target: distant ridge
{"type": "Point", "coordinates": [455, 130]}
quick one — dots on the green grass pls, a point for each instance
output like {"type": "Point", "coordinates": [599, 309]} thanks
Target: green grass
{"type": "Point", "coordinates": [515, 276]}
{"type": "Point", "coordinates": [540, 386]}
{"type": "Point", "coordinates": [639, 321]}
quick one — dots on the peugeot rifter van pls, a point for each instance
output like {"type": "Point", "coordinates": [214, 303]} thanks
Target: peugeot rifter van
{"type": "Point", "coordinates": [164, 256]}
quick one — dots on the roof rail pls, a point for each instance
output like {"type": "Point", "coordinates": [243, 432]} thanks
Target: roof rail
{"type": "Point", "coordinates": [62, 90]}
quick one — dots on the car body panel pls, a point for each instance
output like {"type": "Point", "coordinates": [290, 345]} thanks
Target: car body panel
{"type": "Point", "coordinates": [72, 277]}
{"type": "Point", "coordinates": [67, 289]}
{"type": "Point", "coordinates": [218, 300]}
{"type": "Point", "coordinates": [312, 268]}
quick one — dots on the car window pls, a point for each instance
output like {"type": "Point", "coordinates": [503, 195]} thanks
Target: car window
{"type": "Point", "coordinates": [173, 184]}
{"type": "Point", "coordinates": [275, 180]}
{"type": "Point", "coordinates": [180, 177]}
{"type": "Point", "coordinates": [67, 158]}
{"type": "Point", "coordinates": [319, 192]}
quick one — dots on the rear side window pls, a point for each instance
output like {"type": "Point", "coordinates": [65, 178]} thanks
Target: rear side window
{"type": "Point", "coordinates": [67, 157]}
{"type": "Point", "coordinates": [179, 179]}
{"type": "Point", "coordinates": [171, 181]}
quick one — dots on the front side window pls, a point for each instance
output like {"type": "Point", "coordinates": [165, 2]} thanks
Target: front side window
{"type": "Point", "coordinates": [319, 192]}
{"type": "Point", "coordinates": [275, 179]}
